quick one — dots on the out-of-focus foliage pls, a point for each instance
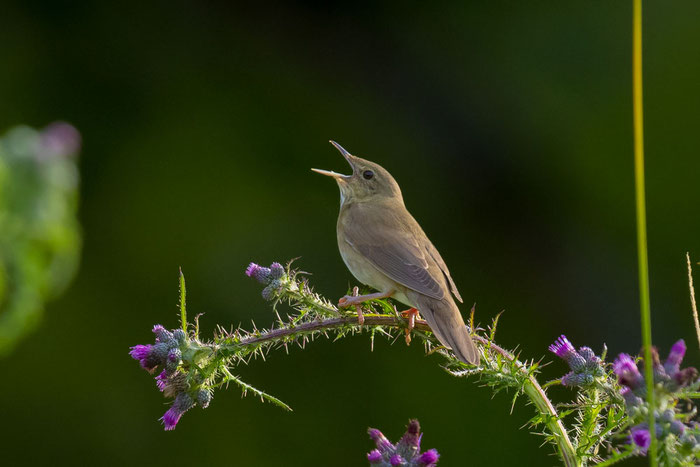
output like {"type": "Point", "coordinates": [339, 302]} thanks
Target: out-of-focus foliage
{"type": "Point", "coordinates": [39, 231]}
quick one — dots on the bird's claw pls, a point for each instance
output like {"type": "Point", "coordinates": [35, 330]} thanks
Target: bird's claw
{"type": "Point", "coordinates": [352, 300]}
{"type": "Point", "coordinates": [409, 314]}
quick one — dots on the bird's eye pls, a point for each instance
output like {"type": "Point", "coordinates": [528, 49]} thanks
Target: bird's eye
{"type": "Point", "coordinates": [368, 174]}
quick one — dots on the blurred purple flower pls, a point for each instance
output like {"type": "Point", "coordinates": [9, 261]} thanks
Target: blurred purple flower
{"type": "Point", "coordinates": [627, 372]}
{"type": "Point", "coordinates": [675, 357]}
{"type": "Point", "coordinates": [641, 438]}
{"type": "Point", "coordinates": [405, 453]}
{"type": "Point", "coordinates": [59, 139]}
{"type": "Point", "coordinates": [631, 399]}
{"type": "Point", "coordinates": [411, 439]}
{"type": "Point", "coordinates": [383, 444]}
{"type": "Point", "coordinates": [429, 457]}
{"type": "Point", "coordinates": [374, 457]}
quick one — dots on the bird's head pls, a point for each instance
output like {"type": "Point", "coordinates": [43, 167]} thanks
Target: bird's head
{"type": "Point", "coordinates": [368, 181]}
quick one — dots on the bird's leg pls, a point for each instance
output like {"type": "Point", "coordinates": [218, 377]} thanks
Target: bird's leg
{"type": "Point", "coordinates": [410, 314]}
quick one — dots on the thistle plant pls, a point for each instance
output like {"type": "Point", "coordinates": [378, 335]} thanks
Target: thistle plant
{"type": "Point", "coordinates": [39, 231]}
{"type": "Point", "coordinates": [603, 423]}
{"type": "Point", "coordinates": [678, 435]}
{"type": "Point", "coordinates": [404, 453]}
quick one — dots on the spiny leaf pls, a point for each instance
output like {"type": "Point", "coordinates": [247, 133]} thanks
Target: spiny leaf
{"type": "Point", "coordinates": [245, 387]}
{"type": "Point", "coordinates": [183, 305]}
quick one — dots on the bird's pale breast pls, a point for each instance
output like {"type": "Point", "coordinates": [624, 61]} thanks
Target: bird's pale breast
{"type": "Point", "coordinates": [365, 272]}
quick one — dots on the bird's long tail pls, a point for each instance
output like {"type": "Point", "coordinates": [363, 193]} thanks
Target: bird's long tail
{"type": "Point", "coordinates": [447, 324]}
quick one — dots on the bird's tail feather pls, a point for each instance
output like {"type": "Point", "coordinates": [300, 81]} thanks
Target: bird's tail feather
{"type": "Point", "coordinates": [448, 326]}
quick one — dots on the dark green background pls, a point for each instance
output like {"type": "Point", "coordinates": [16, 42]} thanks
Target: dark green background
{"type": "Point", "coordinates": [507, 124]}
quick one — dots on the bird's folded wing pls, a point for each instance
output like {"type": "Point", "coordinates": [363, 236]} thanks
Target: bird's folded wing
{"type": "Point", "coordinates": [443, 267]}
{"type": "Point", "coordinates": [395, 249]}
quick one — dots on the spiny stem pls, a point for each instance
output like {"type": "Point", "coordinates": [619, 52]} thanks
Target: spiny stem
{"type": "Point", "coordinates": [532, 389]}
{"type": "Point", "coordinates": [641, 220]}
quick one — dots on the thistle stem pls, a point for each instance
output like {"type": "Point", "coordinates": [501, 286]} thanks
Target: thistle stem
{"type": "Point", "coordinates": [532, 389]}
{"type": "Point", "coordinates": [641, 220]}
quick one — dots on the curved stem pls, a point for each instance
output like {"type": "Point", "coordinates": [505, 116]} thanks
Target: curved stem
{"type": "Point", "coordinates": [532, 388]}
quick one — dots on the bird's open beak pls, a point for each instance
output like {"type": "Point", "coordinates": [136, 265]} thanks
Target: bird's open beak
{"type": "Point", "coordinates": [349, 157]}
{"type": "Point", "coordinates": [330, 173]}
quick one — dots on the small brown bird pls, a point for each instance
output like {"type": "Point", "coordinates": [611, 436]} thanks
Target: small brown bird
{"type": "Point", "coordinates": [385, 248]}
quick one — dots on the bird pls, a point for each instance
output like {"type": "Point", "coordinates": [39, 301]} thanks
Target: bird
{"type": "Point", "coordinates": [385, 248]}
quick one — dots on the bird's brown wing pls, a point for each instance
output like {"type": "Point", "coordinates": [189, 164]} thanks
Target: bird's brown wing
{"type": "Point", "coordinates": [396, 245]}
{"type": "Point", "coordinates": [443, 267]}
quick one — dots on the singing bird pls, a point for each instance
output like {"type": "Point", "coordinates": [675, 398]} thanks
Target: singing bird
{"type": "Point", "coordinates": [384, 247]}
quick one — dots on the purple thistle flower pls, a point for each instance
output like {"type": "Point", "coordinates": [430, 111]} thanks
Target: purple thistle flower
{"type": "Point", "coordinates": [429, 457]}
{"type": "Point", "coordinates": [374, 457]}
{"type": "Point", "coordinates": [183, 403]}
{"type": "Point", "coordinates": [686, 376]}
{"type": "Point", "coordinates": [411, 439]}
{"type": "Point", "coordinates": [677, 427]}
{"type": "Point", "coordinates": [162, 380]}
{"type": "Point", "coordinates": [257, 272]}
{"type": "Point", "coordinates": [404, 453]}
{"type": "Point", "coordinates": [627, 371]}
{"type": "Point", "coordinates": [140, 352]}
{"type": "Point", "coordinates": [642, 438]}
{"type": "Point", "coordinates": [573, 379]}
{"type": "Point", "coordinates": [180, 336]}
{"type": "Point", "coordinates": [250, 270]}
{"type": "Point", "coordinates": [631, 399]}
{"type": "Point", "coordinates": [587, 353]}
{"type": "Point", "coordinates": [383, 444]}
{"type": "Point", "coordinates": [659, 372]}
{"type": "Point", "coordinates": [276, 271]}
{"type": "Point", "coordinates": [160, 351]}
{"type": "Point", "coordinates": [203, 398]}
{"type": "Point", "coordinates": [144, 354]}
{"type": "Point", "coordinates": [675, 357]}
{"type": "Point", "coordinates": [174, 355]}
{"type": "Point", "coordinates": [562, 347]}
{"type": "Point", "coordinates": [163, 335]}
{"type": "Point", "coordinates": [170, 418]}
{"type": "Point", "coordinates": [268, 293]}
{"type": "Point", "coordinates": [176, 383]}
{"type": "Point", "coordinates": [589, 356]}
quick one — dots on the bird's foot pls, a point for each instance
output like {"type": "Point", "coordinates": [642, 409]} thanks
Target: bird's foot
{"type": "Point", "coordinates": [352, 300]}
{"type": "Point", "coordinates": [410, 314]}
{"type": "Point", "coordinates": [355, 300]}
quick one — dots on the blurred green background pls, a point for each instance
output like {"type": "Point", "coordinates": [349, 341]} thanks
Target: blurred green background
{"type": "Point", "coordinates": [507, 124]}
